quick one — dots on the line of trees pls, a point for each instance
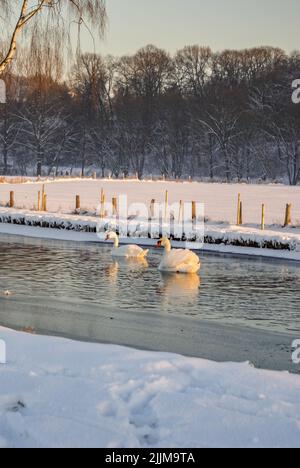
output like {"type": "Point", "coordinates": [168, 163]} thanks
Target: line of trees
{"type": "Point", "coordinates": [226, 115]}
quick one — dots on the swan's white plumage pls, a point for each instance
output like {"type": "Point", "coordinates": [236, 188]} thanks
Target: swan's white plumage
{"type": "Point", "coordinates": [130, 251]}
{"type": "Point", "coordinates": [179, 260]}
{"type": "Point", "coordinates": [126, 251]}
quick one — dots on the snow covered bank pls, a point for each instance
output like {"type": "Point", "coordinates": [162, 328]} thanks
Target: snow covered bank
{"type": "Point", "coordinates": [59, 393]}
{"type": "Point", "coordinates": [276, 243]}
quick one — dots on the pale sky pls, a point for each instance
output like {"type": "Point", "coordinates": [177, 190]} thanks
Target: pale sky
{"type": "Point", "coordinates": [172, 24]}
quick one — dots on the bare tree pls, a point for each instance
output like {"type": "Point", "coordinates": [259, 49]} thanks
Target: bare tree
{"type": "Point", "coordinates": [160, 147]}
{"type": "Point", "coordinates": [9, 125]}
{"type": "Point", "coordinates": [92, 81]}
{"type": "Point", "coordinates": [51, 16]}
{"type": "Point", "coordinates": [9, 129]}
{"type": "Point", "coordinates": [146, 74]}
{"type": "Point", "coordinates": [286, 136]}
{"type": "Point", "coordinates": [41, 122]}
{"type": "Point", "coordinates": [200, 113]}
{"type": "Point", "coordinates": [193, 68]}
{"type": "Point", "coordinates": [222, 124]}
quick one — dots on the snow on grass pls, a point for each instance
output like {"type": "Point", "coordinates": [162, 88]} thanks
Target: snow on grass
{"type": "Point", "coordinates": [220, 199]}
{"type": "Point", "coordinates": [59, 393]}
{"type": "Point", "coordinates": [220, 202]}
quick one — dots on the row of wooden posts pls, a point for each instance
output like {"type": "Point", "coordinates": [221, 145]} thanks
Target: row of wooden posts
{"type": "Point", "coordinates": [42, 206]}
{"type": "Point", "coordinates": [287, 219]}
{"type": "Point", "coordinates": [152, 206]}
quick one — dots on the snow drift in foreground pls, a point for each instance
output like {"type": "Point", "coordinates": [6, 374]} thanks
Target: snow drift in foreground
{"type": "Point", "coordinates": [59, 393]}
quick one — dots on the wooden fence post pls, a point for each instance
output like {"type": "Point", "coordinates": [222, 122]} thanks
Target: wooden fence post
{"type": "Point", "coordinates": [152, 209]}
{"type": "Point", "coordinates": [239, 210]}
{"type": "Point", "coordinates": [45, 202]}
{"type": "Point", "coordinates": [288, 215]}
{"type": "Point", "coordinates": [115, 206]}
{"type": "Point", "coordinates": [181, 214]}
{"type": "Point", "coordinates": [194, 211]}
{"type": "Point", "coordinates": [77, 208]}
{"type": "Point", "coordinates": [102, 209]}
{"type": "Point", "coordinates": [12, 199]}
{"type": "Point", "coordinates": [241, 213]}
{"type": "Point", "coordinates": [263, 217]}
{"type": "Point", "coordinates": [166, 205]}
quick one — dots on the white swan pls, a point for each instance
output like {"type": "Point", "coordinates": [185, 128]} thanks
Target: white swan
{"type": "Point", "coordinates": [178, 260]}
{"type": "Point", "coordinates": [126, 251]}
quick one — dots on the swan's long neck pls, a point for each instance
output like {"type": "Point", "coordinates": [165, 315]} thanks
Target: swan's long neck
{"type": "Point", "coordinates": [116, 243]}
{"type": "Point", "coordinates": [168, 246]}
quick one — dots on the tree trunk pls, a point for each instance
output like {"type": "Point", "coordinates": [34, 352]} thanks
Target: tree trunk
{"type": "Point", "coordinates": [227, 166]}
{"type": "Point", "coordinates": [5, 160]}
{"type": "Point", "coordinates": [39, 169]}
{"type": "Point", "coordinates": [248, 164]}
{"type": "Point", "coordinates": [39, 160]}
{"type": "Point", "coordinates": [13, 43]}
{"type": "Point", "coordinates": [211, 158]}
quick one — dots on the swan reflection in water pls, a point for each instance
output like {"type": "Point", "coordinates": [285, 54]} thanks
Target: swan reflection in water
{"type": "Point", "coordinates": [180, 289]}
{"type": "Point", "coordinates": [129, 265]}
{"type": "Point", "coordinates": [111, 272]}
{"type": "Point", "coordinates": [167, 288]}
{"type": "Point", "coordinates": [133, 264]}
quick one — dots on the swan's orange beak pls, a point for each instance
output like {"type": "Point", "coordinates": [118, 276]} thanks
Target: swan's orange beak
{"type": "Point", "coordinates": [158, 245]}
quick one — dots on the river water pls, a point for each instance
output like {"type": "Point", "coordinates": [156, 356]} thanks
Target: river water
{"type": "Point", "coordinates": [234, 307]}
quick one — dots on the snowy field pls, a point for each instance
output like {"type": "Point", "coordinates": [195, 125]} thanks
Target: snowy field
{"type": "Point", "coordinates": [220, 199]}
{"type": "Point", "coordinates": [58, 393]}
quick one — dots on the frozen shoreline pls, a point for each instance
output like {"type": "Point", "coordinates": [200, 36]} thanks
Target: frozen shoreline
{"type": "Point", "coordinates": [59, 393]}
{"type": "Point", "coordinates": [74, 236]}
{"type": "Point", "coordinates": [187, 336]}
{"type": "Point", "coordinates": [97, 303]}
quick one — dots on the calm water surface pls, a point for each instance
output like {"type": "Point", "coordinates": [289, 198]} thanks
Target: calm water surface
{"type": "Point", "coordinates": [254, 293]}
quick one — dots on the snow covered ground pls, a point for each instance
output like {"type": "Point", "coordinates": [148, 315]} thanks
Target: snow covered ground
{"type": "Point", "coordinates": [220, 199]}
{"type": "Point", "coordinates": [59, 393]}
{"type": "Point", "coordinates": [220, 202]}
